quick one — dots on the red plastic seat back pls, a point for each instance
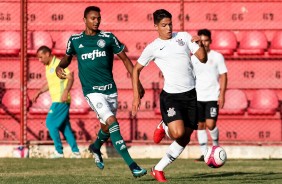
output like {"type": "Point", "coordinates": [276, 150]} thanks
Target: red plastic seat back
{"type": "Point", "coordinates": [235, 102]}
{"type": "Point", "coordinates": [224, 42]}
{"type": "Point", "coordinates": [12, 101]}
{"type": "Point", "coordinates": [253, 43]}
{"type": "Point", "coordinates": [10, 42]}
{"type": "Point", "coordinates": [264, 101]}
{"type": "Point", "coordinates": [276, 44]}
{"type": "Point", "coordinates": [79, 104]}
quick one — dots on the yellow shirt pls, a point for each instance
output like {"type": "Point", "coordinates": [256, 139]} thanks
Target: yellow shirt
{"type": "Point", "coordinates": [55, 84]}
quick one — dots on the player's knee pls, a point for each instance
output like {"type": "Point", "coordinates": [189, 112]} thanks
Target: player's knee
{"type": "Point", "coordinates": [111, 120]}
{"type": "Point", "coordinates": [177, 134]}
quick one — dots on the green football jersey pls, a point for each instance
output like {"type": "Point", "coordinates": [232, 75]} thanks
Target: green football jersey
{"type": "Point", "coordinates": [95, 56]}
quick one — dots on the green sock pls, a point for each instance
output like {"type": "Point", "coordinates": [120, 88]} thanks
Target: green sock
{"type": "Point", "coordinates": [101, 138]}
{"type": "Point", "coordinates": [119, 143]}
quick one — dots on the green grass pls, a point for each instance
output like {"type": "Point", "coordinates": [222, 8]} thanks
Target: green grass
{"type": "Point", "coordinates": [181, 171]}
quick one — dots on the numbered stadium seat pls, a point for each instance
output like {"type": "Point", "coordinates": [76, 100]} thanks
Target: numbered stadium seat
{"type": "Point", "coordinates": [276, 44]}
{"type": "Point", "coordinates": [61, 39]}
{"type": "Point", "coordinates": [252, 43]}
{"type": "Point", "coordinates": [78, 103]}
{"type": "Point", "coordinates": [10, 43]}
{"type": "Point", "coordinates": [42, 105]}
{"type": "Point", "coordinates": [263, 102]}
{"type": "Point", "coordinates": [37, 39]}
{"type": "Point", "coordinates": [236, 102]}
{"type": "Point", "coordinates": [224, 42]}
{"type": "Point", "coordinates": [11, 102]}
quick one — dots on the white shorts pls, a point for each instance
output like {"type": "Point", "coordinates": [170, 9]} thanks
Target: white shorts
{"type": "Point", "coordinates": [104, 105]}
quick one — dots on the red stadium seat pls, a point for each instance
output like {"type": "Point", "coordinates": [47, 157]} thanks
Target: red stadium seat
{"type": "Point", "coordinates": [11, 102]}
{"type": "Point", "coordinates": [263, 102]}
{"type": "Point", "coordinates": [9, 43]}
{"type": "Point", "coordinates": [61, 39]}
{"type": "Point", "coordinates": [39, 38]}
{"type": "Point", "coordinates": [276, 44]}
{"type": "Point", "coordinates": [79, 104]}
{"type": "Point", "coordinates": [42, 104]}
{"type": "Point", "coordinates": [224, 42]}
{"type": "Point", "coordinates": [236, 103]}
{"type": "Point", "coordinates": [252, 43]}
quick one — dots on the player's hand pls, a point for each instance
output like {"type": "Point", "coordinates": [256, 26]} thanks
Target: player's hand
{"type": "Point", "coordinates": [220, 102]}
{"type": "Point", "coordinates": [61, 73]}
{"type": "Point", "coordinates": [195, 39]}
{"type": "Point", "coordinates": [34, 98]}
{"type": "Point", "coordinates": [135, 106]}
{"type": "Point", "coordinates": [64, 97]}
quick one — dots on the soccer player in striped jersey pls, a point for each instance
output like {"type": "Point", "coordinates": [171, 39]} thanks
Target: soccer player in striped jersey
{"type": "Point", "coordinates": [95, 51]}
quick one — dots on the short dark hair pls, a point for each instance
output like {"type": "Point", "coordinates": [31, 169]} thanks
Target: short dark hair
{"type": "Point", "coordinates": [44, 49]}
{"type": "Point", "coordinates": [161, 14]}
{"type": "Point", "coordinates": [91, 8]}
{"type": "Point", "coordinates": [205, 32]}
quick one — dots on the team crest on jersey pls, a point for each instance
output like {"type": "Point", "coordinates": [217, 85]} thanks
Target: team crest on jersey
{"type": "Point", "coordinates": [171, 112]}
{"type": "Point", "coordinates": [180, 42]}
{"type": "Point", "coordinates": [52, 70]}
{"type": "Point", "coordinates": [99, 105]}
{"type": "Point", "coordinates": [213, 112]}
{"type": "Point", "coordinates": [101, 43]}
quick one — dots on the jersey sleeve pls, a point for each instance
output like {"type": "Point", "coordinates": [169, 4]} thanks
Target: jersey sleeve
{"type": "Point", "coordinates": [146, 56]}
{"type": "Point", "coordinates": [193, 46]}
{"type": "Point", "coordinates": [221, 64]}
{"type": "Point", "coordinates": [116, 45]}
{"type": "Point", "coordinates": [70, 48]}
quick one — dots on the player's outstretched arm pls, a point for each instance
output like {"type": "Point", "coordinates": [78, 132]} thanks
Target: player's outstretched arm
{"type": "Point", "coordinates": [136, 87]}
{"type": "Point", "coordinates": [43, 89]}
{"type": "Point", "coordinates": [62, 65]}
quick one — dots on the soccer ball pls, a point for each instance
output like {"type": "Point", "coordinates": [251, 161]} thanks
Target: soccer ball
{"type": "Point", "coordinates": [215, 157]}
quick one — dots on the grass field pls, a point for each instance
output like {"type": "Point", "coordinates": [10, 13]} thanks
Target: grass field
{"type": "Point", "coordinates": [181, 171]}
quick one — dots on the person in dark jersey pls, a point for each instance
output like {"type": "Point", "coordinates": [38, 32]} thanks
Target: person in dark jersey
{"type": "Point", "coordinates": [95, 51]}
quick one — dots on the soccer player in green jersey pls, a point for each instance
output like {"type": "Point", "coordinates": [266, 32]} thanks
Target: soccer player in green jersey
{"type": "Point", "coordinates": [95, 51]}
{"type": "Point", "coordinates": [58, 116]}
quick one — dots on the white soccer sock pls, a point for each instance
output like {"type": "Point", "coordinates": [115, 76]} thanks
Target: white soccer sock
{"type": "Point", "coordinates": [214, 135]}
{"type": "Point", "coordinates": [166, 129]}
{"type": "Point", "coordinates": [174, 150]}
{"type": "Point", "coordinates": [203, 140]}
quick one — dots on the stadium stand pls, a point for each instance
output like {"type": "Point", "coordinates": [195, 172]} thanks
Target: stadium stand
{"type": "Point", "coordinates": [10, 102]}
{"type": "Point", "coordinates": [224, 42]}
{"type": "Point", "coordinates": [61, 38]}
{"type": "Point", "coordinates": [42, 104]}
{"type": "Point", "coordinates": [78, 103]}
{"type": "Point", "coordinates": [236, 102]}
{"type": "Point", "coordinates": [39, 38]}
{"type": "Point", "coordinates": [276, 44]}
{"type": "Point", "coordinates": [135, 41]}
{"type": "Point", "coordinates": [10, 73]}
{"type": "Point", "coordinates": [9, 42]}
{"type": "Point", "coordinates": [263, 102]}
{"type": "Point", "coordinates": [252, 43]}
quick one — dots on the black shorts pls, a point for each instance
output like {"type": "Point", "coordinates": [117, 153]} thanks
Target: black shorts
{"type": "Point", "coordinates": [207, 110]}
{"type": "Point", "coordinates": [180, 106]}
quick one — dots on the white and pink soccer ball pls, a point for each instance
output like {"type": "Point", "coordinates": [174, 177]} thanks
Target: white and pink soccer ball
{"type": "Point", "coordinates": [215, 157]}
